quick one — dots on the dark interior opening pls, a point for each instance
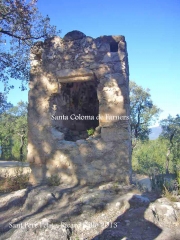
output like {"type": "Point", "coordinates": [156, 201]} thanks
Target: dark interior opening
{"type": "Point", "coordinates": [76, 109]}
{"type": "Point", "coordinates": [113, 47]}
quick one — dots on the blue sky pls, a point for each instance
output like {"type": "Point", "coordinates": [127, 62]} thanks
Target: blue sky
{"type": "Point", "coordinates": [152, 32]}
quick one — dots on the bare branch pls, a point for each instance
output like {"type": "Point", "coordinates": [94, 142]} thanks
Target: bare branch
{"type": "Point", "coordinates": [22, 38]}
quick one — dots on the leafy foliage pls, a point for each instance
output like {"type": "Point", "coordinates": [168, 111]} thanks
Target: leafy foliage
{"type": "Point", "coordinates": [149, 157]}
{"type": "Point", "coordinates": [90, 131]}
{"type": "Point", "coordinates": [13, 132]}
{"type": "Point", "coordinates": [20, 26]}
{"type": "Point", "coordinates": [171, 132]}
{"type": "Point", "coordinates": [4, 105]}
{"type": "Point", "coordinates": [143, 112]}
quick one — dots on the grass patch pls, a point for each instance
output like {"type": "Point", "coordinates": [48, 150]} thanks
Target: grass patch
{"type": "Point", "coordinates": [16, 182]}
{"type": "Point", "coordinates": [53, 180]}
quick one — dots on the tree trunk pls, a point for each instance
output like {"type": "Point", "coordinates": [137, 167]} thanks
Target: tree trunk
{"type": "Point", "coordinates": [167, 161]}
{"type": "Point", "coordinates": [21, 147]}
{"type": "Point", "coordinates": [130, 165]}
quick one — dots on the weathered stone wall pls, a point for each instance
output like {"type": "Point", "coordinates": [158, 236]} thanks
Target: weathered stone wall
{"type": "Point", "coordinates": [86, 77]}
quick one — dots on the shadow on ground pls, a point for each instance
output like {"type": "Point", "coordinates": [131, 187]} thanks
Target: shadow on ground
{"type": "Point", "coordinates": [131, 224]}
{"type": "Point", "coordinates": [115, 212]}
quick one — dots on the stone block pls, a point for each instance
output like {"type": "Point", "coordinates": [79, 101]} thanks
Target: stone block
{"type": "Point", "coordinates": [113, 57]}
{"type": "Point", "coordinates": [71, 75]}
{"type": "Point", "coordinates": [114, 134]}
{"type": "Point", "coordinates": [56, 135]}
{"type": "Point", "coordinates": [74, 35]}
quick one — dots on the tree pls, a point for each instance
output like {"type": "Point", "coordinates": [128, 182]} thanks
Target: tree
{"type": "Point", "coordinates": [6, 133]}
{"type": "Point", "coordinates": [5, 139]}
{"type": "Point", "coordinates": [20, 126]}
{"type": "Point", "coordinates": [13, 132]}
{"type": "Point", "coordinates": [4, 105]}
{"type": "Point", "coordinates": [143, 113]}
{"type": "Point", "coordinates": [149, 157]}
{"type": "Point", "coordinates": [20, 26]}
{"type": "Point", "coordinates": [171, 132]}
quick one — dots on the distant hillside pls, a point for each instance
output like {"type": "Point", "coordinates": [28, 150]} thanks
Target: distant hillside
{"type": "Point", "coordinates": [155, 132]}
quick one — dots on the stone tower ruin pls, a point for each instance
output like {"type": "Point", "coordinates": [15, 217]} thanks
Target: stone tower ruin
{"type": "Point", "coordinates": [78, 113]}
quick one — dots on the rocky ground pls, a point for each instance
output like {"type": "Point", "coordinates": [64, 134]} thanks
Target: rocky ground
{"type": "Point", "coordinates": [105, 212]}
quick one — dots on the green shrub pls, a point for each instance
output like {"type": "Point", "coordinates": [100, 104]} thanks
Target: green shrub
{"type": "Point", "coordinates": [16, 182]}
{"type": "Point", "coordinates": [90, 131]}
{"type": "Point", "coordinates": [169, 195]}
{"type": "Point", "coordinates": [54, 180]}
{"type": "Point", "coordinates": [149, 156]}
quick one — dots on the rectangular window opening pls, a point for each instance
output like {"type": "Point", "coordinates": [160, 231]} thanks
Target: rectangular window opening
{"type": "Point", "coordinates": [114, 47]}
